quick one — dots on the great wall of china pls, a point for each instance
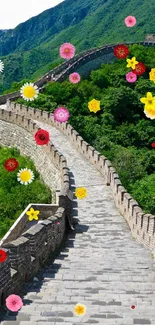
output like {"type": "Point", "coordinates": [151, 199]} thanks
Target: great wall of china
{"type": "Point", "coordinates": [28, 251]}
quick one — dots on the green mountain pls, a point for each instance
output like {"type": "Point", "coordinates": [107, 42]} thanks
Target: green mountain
{"type": "Point", "coordinates": [31, 49]}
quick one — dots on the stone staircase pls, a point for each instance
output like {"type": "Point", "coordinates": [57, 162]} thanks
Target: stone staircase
{"type": "Point", "coordinates": [101, 266]}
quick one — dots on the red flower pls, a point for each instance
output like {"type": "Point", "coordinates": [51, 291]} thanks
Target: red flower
{"type": "Point", "coordinates": [42, 137]}
{"type": "Point", "coordinates": [139, 68]}
{"type": "Point", "coordinates": [121, 51]}
{"type": "Point", "coordinates": [153, 144]}
{"type": "Point", "coordinates": [2, 256]}
{"type": "Point", "coordinates": [11, 164]}
{"type": "Point", "coordinates": [132, 307]}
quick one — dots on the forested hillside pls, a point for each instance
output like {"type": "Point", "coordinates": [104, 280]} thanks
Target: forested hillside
{"type": "Point", "coordinates": [30, 49]}
{"type": "Point", "coordinates": [120, 131]}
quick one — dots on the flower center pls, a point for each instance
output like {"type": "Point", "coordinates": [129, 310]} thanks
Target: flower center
{"type": "Point", "coordinates": [14, 302]}
{"type": "Point", "coordinates": [80, 310]}
{"type": "Point", "coordinates": [67, 50]}
{"type": "Point", "coordinates": [42, 137]}
{"type": "Point", "coordinates": [11, 164]}
{"type": "Point", "coordinates": [61, 114]}
{"type": "Point", "coordinates": [150, 101]}
{"type": "Point", "coordinates": [29, 92]}
{"type": "Point", "coordinates": [25, 176]}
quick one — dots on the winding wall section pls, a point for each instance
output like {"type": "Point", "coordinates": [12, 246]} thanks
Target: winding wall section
{"type": "Point", "coordinates": [142, 225]}
{"type": "Point", "coordinates": [63, 70]}
{"type": "Point", "coordinates": [101, 266]}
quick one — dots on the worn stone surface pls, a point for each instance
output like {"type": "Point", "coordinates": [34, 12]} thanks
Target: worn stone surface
{"type": "Point", "coordinates": [102, 266]}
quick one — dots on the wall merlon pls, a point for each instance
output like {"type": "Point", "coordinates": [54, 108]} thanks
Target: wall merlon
{"type": "Point", "coordinates": [68, 128]}
{"type": "Point", "coordinates": [97, 156]}
{"type": "Point", "coordinates": [78, 142]}
{"type": "Point", "coordinates": [85, 146]}
{"type": "Point", "coordinates": [132, 204]}
{"type": "Point", "coordinates": [116, 185]}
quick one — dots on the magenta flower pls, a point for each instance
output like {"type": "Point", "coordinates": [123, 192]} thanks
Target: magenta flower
{"type": "Point", "coordinates": [131, 77]}
{"type": "Point", "coordinates": [61, 114]}
{"type": "Point", "coordinates": [67, 51]}
{"type": "Point", "coordinates": [74, 78]}
{"type": "Point", "coordinates": [14, 303]}
{"type": "Point", "coordinates": [130, 21]}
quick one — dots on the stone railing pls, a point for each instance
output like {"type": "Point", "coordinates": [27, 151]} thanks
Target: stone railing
{"type": "Point", "coordinates": [27, 253]}
{"type": "Point", "coordinates": [142, 225]}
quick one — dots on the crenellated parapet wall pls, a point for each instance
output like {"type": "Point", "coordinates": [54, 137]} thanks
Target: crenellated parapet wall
{"type": "Point", "coordinates": [142, 225]}
{"type": "Point", "coordinates": [63, 70]}
{"type": "Point", "coordinates": [30, 250]}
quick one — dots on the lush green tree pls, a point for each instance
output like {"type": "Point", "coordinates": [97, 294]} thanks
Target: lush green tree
{"type": "Point", "coordinates": [128, 167]}
{"type": "Point", "coordinates": [143, 191]}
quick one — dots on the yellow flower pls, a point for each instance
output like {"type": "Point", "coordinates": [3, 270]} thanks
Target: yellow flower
{"type": "Point", "coordinates": [150, 113]}
{"type": "Point", "coordinates": [81, 192]}
{"type": "Point", "coordinates": [25, 176]}
{"type": "Point", "coordinates": [29, 91]}
{"type": "Point", "coordinates": [94, 105]}
{"type": "Point", "coordinates": [149, 108]}
{"type": "Point", "coordinates": [152, 74]}
{"type": "Point", "coordinates": [33, 214]}
{"type": "Point", "coordinates": [79, 309]}
{"type": "Point", "coordinates": [131, 62]}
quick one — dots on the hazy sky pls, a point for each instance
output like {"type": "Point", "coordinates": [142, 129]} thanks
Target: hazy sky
{"type": "Point", "coordinates": [14, 12]}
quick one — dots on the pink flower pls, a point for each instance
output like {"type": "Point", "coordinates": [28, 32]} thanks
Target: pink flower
{"type": "Point", "coordinates": [61, 114]}
{"type": "Point", "coordinates": [74, 78]}
{"type": "Point", "coordinates": [130, 21]}
{"type": "Point", "coordinates": [67, 51]}
{"type": "Point", "coordinates": [14, 303]}
{"type": "Point", "coordinates": [131, 77]}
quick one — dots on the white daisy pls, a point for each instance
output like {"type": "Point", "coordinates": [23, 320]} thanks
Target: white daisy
{"type": "Point", "coordinates": [25, 176]}
{"type": "Point", "coordinates": [29, 91]}
{"type": "Point", "coordinates": [1, 66]}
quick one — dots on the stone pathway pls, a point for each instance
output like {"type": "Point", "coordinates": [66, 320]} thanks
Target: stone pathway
{"type": "Point", "coordinates": [102, 266]}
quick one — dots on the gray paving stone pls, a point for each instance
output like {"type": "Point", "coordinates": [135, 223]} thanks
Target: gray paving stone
{"type": "Point", "coordinates": [142, 321]}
